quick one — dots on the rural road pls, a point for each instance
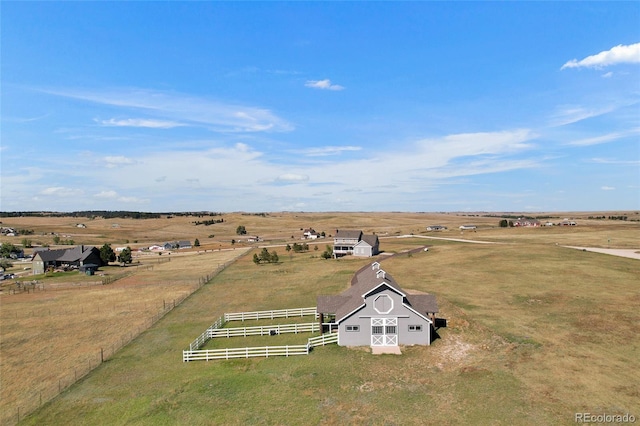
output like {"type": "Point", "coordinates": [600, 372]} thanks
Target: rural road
{"type": "Point", "coordinates": [630, 253]}
{"type": "Point", "coordinates": [446, 239]}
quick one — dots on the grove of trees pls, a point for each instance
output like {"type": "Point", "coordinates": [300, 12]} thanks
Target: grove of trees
{"type": "Point", "coordinates": [265, 257]}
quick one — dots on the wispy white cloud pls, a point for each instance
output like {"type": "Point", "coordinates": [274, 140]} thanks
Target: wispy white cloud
{"type": "Point", "coordinates": [183, 109]}
{"type": "Point", "coordinates": [118, 160]}
{"type": "Point", "coordinates": [609, 137]}
{"type": "Point", "coordinates": [619, 54]}
{"type": "Point", "coordinates": [133, 200]}
{"type": "Point", "coordinates": [106, 194]}
{"type": "Point", "coordinates": [569, 114]}
{"type": "Point", "coordinates": [607, 188]}
{"type": "Point", "coordinates": [328, 150]}
{"type": "Point", "coordinates": [607, 74]}
{"type": "Point", "coordinates": [481, 143]}
{"type": "Point", "coordinates": [61, 191]}
{"type": "Point", "coordinates": [615, 162]}
{"type": "Point", "coordinates": [323, 84]}
{"type": "Point", "coordinates": [140, 122]}
{"type": "Point", "coordinates": [292, 178]}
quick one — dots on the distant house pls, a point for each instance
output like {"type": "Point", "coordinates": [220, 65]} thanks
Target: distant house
{"type": "Point", "coordinates": [567, 222]}
{"type": "Point", "coordinates": [310, 234]}
{"type": "Point", "coordinates": [70, 257]}
{"type": "Point", "coordinates": [523, 221]}
{"type": "Point", "coordinates": [355, 243]}
{"type": "Point", "coordinates": [375, 311]}
{"type": "Point", "coordinates": [168, 246]}
{"type": "Point", "coordinates": [468, 227]}
{"type": "Point", "coordinates": [436, 228]}
{"type": "Point", "coordinates": [184, 244]}
{"type": "Point", "coordinates": [156, 247]}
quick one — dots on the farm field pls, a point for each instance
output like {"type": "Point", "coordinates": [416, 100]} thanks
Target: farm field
{"type": "Point", "coordinates": [536, 332]}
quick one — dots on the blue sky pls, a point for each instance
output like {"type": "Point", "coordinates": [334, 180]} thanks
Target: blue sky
{"type": "Point", "coordinates": [320, 106]}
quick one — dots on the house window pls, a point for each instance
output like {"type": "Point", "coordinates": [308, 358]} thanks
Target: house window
{"type": "Point", "coordinates": [383, 304]}
{"type": "Point", "coordinates": [391, 329]}
{"type": "Point", "coordinates": [352, 328]}
{"type": "Point", "coordinates": [415, 328]}
{"type": "Point", "coordinates": [376, 329]}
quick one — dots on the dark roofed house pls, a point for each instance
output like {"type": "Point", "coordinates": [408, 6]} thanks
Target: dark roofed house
{"type": "Point", "coordinates": [375, 311]}
{"type": "Point", "coordinates": [184, 244]}
{"type": "Point", "coordinates": [69, 257]}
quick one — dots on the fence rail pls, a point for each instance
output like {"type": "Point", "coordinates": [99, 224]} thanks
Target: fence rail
{"type": "Point", "coordinates": [230, 353]}
{"type": "Point", "coordinates": [310, 327]}
{"type": "Point", "coordinates": [323, 339]}
{"type": "Point", "coordinates": [202, 339]}
{"type": "Point", "coordinates": [195, 354]}
{"type": "Point", "coordinates": [281, 313]}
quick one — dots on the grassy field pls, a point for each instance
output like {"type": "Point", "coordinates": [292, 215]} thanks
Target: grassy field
{"type": "Point", "coordinates": [53, 336]}
{"type": "Point", "coordinates": [536, 332]}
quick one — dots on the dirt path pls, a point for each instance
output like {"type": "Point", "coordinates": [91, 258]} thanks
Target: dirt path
{"type": "Point", "coordinates": [446, 239]}
{"type": "Point", "coordinates": [630, 253]}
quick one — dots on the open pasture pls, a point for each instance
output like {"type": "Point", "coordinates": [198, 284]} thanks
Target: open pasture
{"type": "Point", "coordinates": [283, 227]}
{"type": "Point", "coordinates": [536, 332]}
{"type": "Point", "coordinates": [52, 337]}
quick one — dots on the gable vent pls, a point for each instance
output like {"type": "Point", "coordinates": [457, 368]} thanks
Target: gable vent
{"type": "Point", "coordinates": [381, 274]}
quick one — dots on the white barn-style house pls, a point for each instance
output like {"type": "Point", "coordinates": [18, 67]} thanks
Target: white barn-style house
{"type": "Point", "coordinates": [375, 311]}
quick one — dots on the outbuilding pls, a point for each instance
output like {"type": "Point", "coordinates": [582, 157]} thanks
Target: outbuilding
{"type": "Point", "coordinates": [375, 311]}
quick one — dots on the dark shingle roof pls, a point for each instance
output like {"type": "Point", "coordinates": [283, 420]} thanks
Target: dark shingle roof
{"type": "Point", "coordinates": [365, 281]}
{"type": "Point", "coordinates": [348, 233]}
{"type": "Point", "coordinates": [50, 255]}
{"type": "Point", "coordinates": [372, 240]}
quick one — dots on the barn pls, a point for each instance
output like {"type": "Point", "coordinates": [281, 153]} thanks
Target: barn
{"type": "Point", "coordinates": [374, 311]}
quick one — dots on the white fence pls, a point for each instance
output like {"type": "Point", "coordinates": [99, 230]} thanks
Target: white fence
{"type": "Point", "coordinates": [195, 354]}
{"type": "Point", "coordinates": [265, 351]}
{"type": "Point", "coordinates": [323, 339]}
{"type": "Point", "coordinates": [310, 327]}
{"type": "Point", "coordinates": [230, 353]}
{"type": "Point", "coordinates": [281, 313]}
{"type": "Point", "coordinates": [202, 339]}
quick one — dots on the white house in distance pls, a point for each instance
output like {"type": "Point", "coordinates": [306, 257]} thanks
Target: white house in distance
{"type": "Point", "coordinates": [436, 228]}
{"type": "Point", "coordinates": [375, 311]}
{"type": "Point", "coordinates": [355, 243]}
{"type": "Point", "coordinates": [468, 227]}
{"type": "Point", "coordinates": [310, 234]}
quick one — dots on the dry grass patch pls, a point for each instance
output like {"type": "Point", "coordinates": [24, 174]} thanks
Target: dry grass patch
{"type": "Point", "coordinates": [51, 338]}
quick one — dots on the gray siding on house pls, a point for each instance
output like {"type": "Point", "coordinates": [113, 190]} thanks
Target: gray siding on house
{"type": "Point", "coordinates": [400, 312]}
{"type": "Point", "coordinates": [355, 243]}
{"type": "Point", "coordinates": [375, 299]}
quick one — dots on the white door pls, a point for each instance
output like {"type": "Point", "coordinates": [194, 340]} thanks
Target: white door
{"type": "Point", "coordinates": [384, 331]}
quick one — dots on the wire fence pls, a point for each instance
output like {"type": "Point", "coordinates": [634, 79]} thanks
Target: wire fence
{"type": "Point", "coordinates": [84, 366]}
